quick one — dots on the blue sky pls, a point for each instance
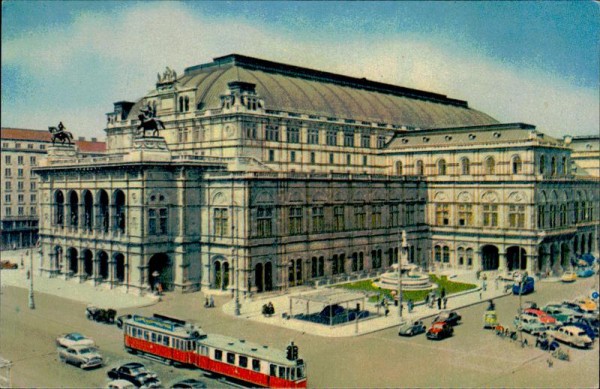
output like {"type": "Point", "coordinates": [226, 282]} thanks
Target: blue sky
{"type": "Point", "coordinates": [534, 62]}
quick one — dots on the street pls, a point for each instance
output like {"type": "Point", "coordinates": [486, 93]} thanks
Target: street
{"type": "Point", "coordinates": [473, 357]}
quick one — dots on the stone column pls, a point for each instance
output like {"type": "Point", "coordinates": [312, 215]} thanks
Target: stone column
{"type": "Point", "coordinates": [81, 266]}
{"type": "Point", "coordinates": [65, 264]}
{"type": "Point", "coordinates": [111, 270]}
{"type": "Point", "coordinates": [96, 269]}
{"type": "Point", "coordinates": [502, 266]}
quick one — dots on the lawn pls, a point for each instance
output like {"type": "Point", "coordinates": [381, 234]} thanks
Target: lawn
{"type": "Point", "coordinates": [451, 287]}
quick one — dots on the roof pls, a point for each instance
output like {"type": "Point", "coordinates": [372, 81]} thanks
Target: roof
{"type": "Point", "coordinates": [250, 349]}
{"type": "Point", "coordinates": [331, 296]}
{"type": "Point", "coordinates": [300, 90]}
{"type": "Point", "coordinates": [85, 146]}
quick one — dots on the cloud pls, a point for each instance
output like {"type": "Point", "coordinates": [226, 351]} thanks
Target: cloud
{"type": "Point", "coordinates": [77, 71]}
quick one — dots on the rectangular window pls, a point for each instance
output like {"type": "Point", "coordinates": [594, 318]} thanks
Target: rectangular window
{"type": "Point", "coordinates": [313, 136]}
{"type": "Point", "coordinates": [380, 142]}
{"type": "Point", "coordinates": [20, 173]}
{"type": "Point", "coordinates": [33, 161]}
{"type": "Point", "coordinates": [490, 215]}
{"type": "Point", "coordinates": [19, 160]}
{"type": "Point", "coordinates": [231, 358]}
{"type": "Point", "coordinates": [271, 155]}
{"type": "Point", "coordinates": [292, 156]}
{"type": "Point", "coordinates": [272, 133]}
{"type": "Point", "coordinates": [20, 185]}
{"type": "Point", "coordinates": [295, 220]}
{"type": "Point", "coordinates": [348, 137]}
{"type": "Point", "coordinates": [394, 216]}
{"type": "Point", "coordinates": [293, 135]}
{"type": "Point", "coordinates": [331, 158]}
{"type": "Point", "coordinates": [17, 145]}
{"type": "Point", "coordinates": [163, 221]}
{"type": "Point", "coordinates": [364, 160]}
{"type": "Point", "coordinates": [7, 159]}
{"type": "Point", "coordinates": [7, 198]}
{"type": "Point", "coordinates": [359, 217]}
{"type": "Point", "coordinates": [409, 215]}
{"type": "Point", "coordinates": [220, 219]}
{"type": "Point", "coordinates": [465, 215]}
{"type": "Point", "coordinates": [516, 216]}
{"type": "Point", "coordinates": [32, 185]}
{"type": "Point", "coordinates": [442, 214]}
{"type": "Point", "coordinates": [243, 361]}
{"type": "Point", "coordinates": [365, 140]}
{"type": "Point", "coordinates": [21, 198]}
{"type": "Point", "coordinates": [8, 211]}
{"type": "Point", "coordinates": [7, 172]}
{"type": "Point", "coordinates": [376, 216]}
{"type": "Point", "coordinates": [32, 198]}
{"type": "Point", "coordinates": [250, 130]}
{"type": "Point", "coordinates": [8, 185]}
{"type": "Point", "coordinates": [331, 137]}
{"type": "Point", "coordinates": [318, 219]}
{"type": "Point", "coordinates": [348, 159]}
{"type": "Point", "coordinates": [338, 218]}
{"type": "Point", "coordinates": [152, 221]}
{"type": "Point", "coordinates": [264, 221]}
{"type": "Point", "coordinates": [42, 147]}
{"type": "Point", "coordinates": [218, 355]}
{"type": "Point", "coordinates": [312, 157]}
{"type": "Point", "coordinates": [30, 146]}
{"type": "Point", "coordinates": [256, 365]}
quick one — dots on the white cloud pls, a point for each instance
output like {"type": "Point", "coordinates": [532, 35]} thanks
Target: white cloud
{"type": "Point", "coordinates": [115, 56]}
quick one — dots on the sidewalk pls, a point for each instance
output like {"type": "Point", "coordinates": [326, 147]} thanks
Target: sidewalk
{"type": "Point", "coordinates": [86, 292]}
{"type": "Point", "coordinates": [251, 309]}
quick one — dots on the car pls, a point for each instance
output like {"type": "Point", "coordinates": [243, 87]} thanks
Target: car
{"type": "Point", "coordinates": [121, 319]}
{"type": "Point", "coordinates": [120, 384]}
{"type": "Point", "coordinates": [8, 265]}
{"type": "Point", "coordinates": [571, 335]}
{"type": "Point", "coordinates": [450, 317]}
{"type": "Point", "coordinates": [411, 328]}
{"type": "Point", "coordinates": [585, 272]}
{"type": "Point", "coordinates": [568, 276]}
{"type": "Point", "coordinates": [82, 356]}
{"type": "Point", "coordinates": [530, 325]}
{"type": "Point", "coordinates": [74, 339]}
{"type": "Point", "coordinates": [439, 330]}
{"type": "Point", "coordinates": [527, 287]}
{"type": "Point", "coordinates": [577, 308]}
{"type": "Point", "coordinates": [586, 304]}
{"type": "Point", "coordinates": [586, 326]}
{"type": "Point", "coordinates": [561, 313]}
{"type": "Point", "coordinates": [190, 383]}
{"type": "Point", "coordinates": [136, 373]}
{"type": "Point", "coordinates": [542, 316]}
{"type": "Point", "coordinates": [490, 319]}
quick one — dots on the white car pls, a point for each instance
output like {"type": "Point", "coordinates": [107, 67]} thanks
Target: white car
{"type": "Point", "coordinates": [120, 384]}
{"type": "Point", "coordinates": [571, 335]}
{"type": "Point", "coordinates": [82, 356]}
{"type": "Point", "coordinates": [74, 339]}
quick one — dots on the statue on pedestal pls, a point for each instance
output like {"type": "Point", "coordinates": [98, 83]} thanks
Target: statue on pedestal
{"type": "Point", "coordinates": [59, 133]}
{"type": "Point", "coordinates": [148, 121]}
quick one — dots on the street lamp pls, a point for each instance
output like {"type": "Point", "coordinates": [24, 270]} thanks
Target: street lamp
{"type": "Point", "coordinates": [403, 255]}
{"type": "Point", "coordinates": [237, 267]}
{"type": "Point", "coordinates": [31, 299]}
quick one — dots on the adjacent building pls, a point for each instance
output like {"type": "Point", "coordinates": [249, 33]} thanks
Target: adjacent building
{"type": "Point", "coordinates": [267, 176]}
{"type": "Point", "coordinates": [21, 151]}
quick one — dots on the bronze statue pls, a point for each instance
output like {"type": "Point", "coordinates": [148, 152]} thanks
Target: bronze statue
{"type": "Point", "coordinates": [148, 121]}
{"type": "Point", "coordinates": [59, 133]}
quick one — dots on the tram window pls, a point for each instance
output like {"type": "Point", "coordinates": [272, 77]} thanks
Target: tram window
{"type": "Point", "coordinates": [153, 337]}
{"type": "Point", "coordinates": [231, 358]}
{"type": "Point", "coordinates": [203, 350]}
{"type": "Point", "coordinates": [281, 372]}
{"type": "Point", "coordinates": [273, 370]}
{"type": "Point", "coordinates": [300, 373]}
{"type": "Point", "coordinates": [292, 373]}
{"type": "Point", "coordinates": [218, 355]}
{"type": "Point", "coordinates": [159, 339]}
{"type": "Point", "coordinates": [191, 345]}
{"type": "Point", "coordinates": [243, 361]}
{"type": "Point", "coordinates": [146, 337]}
{"type": "Point", "coordinates": [256, 365]}
{"type": "Point", "coordinates": [166, 340]}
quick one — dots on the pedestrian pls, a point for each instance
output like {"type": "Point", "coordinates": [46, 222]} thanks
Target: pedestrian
{"type": "Point", "coordinates": [28, 274]}
{"type": "Point", "coordinates": [409, 305]}
{"type": "Point", "coordinates": [386, 306]}
{"type": "Point", "coordinates": [480, 297]}
{"type": "Point", "coordinates": [445, 302]}
{"type": "Point", "coordinates": [439, 303]}
{"type": "Point", "coordinates": [427, 299]}
{"type": "Point", "coordinates": [206, 303]}
{"type": "Point", "coordinates": [484, 285]}
{"type": "Point", "coordinates": [212, 302]}
{"type": "Point", "coordinates": [443, 293]}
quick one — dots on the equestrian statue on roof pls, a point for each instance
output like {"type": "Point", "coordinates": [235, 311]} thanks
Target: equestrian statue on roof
{"type": "Point", "coordinates": [59, 133]}
{"type": "Point", "coordinates": [148, 121]}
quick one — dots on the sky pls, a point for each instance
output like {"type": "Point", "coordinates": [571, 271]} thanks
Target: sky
{"type": "Point", "coordinates": [533, 62]}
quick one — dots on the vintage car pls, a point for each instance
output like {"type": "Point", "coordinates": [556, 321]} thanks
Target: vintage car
{"type": "Point", "coordinates": [100, 314]}
{"type": "Point", "coordinates": [136, 373]}
{"type": "Point", "coordinates": [439, 330]}
{"type": "Point", "coordinates": [74, 339]}
{"type": "Point", "coordinates": [8, 265]}
{"type": "Point", "coordinates": [561, 313]}
{"type": "Point", "coordinates": [451, 317]}
{"type": "Point", "coordinates": [586, 304]}
{"type": "Point", "coordinates": [190, 383]}
{"type": "Point", "coordinates": [411, 328]}
{"type": "Point", "coordinates": [585, 272]}
{"type": "Point", "coordinates": [568, 276]}
{"type": "Point", "coordinates": [121, 319]}
{"type": "Point", "coordinates": [530, 324]}
{"type": "Point", "coordinates": [82, 356]}
{"type": "Point", "coordinates": [120, 384]}
{"type": "Point", "coordinates": [577, 308]}
{"type": "Point", "coordinates": [571, 335]}
{"type": "Point", "coordinates": [490, 319]}
{"type": "Point", "coordinates": [542, 316]}
{"type": "Point", "coordinates": [527, 286]}
{"type": "Point", "coordinates": [585, 325]}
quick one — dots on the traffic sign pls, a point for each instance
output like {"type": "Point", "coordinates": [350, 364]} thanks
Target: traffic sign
{"type": "Point", "coordinates": [595, 295]}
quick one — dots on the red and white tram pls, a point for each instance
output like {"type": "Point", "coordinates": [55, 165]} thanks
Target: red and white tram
{"type": "Point", "coordinates": [174, 340]}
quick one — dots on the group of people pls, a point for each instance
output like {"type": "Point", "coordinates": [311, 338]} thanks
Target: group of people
{"type": "Point", "coordinates": [209, 302]}
{"type": "Point", "coordinates": [441, 299]}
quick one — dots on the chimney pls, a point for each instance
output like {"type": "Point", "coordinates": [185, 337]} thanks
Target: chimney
{"type": "Point", "coordinates": [94, 139]}
{"type": "Point", "coordinates": [81, 138]}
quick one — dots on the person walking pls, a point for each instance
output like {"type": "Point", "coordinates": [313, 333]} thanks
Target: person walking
{"type": "Point", "coordinates": [445, 300]}
{"type": "Point", "coordinates": [439, 302]}
{"type": "Point", "coordinates": [212, 302]}
{"type": "Point", "coordinates": [386, 307]}
{"type": "Point", "coordinates": [443, 293]}
{"type": "Point", "coordinates": [409, 305]}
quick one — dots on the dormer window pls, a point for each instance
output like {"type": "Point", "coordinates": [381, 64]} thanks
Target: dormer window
{"type": "Point", "coordinates": [184, 103]}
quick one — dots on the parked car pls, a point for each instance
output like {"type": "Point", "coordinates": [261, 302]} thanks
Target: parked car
{"type": "Point", "coordinates": [530, 324]}
{"type": "Point", "coordinates": [82, 356]}
{"type": "Point", "coordinates": [490, 319]}
{"type": "Point", "coordinates": [411, 328]}
{"type": "Point", "coordinates": [528, 286]}
{"type": "Point", "coordinates": [586, 304]}
{"type": "Point", "coordinates": [8, 265]}
{"type": "Point", "coordinates": [568, 276]}
{"type": "Point", "coordinates": [577, 308]}
{"type": "Point", "coordinates": [594, 324]}
{"type": "Point", "coordinates": [585, 326]}
{"type": "Point", "coordinates": [561, 313]}
{"type": "Point", "coordinates": [439, 330]}
{"type": "Point", "coordinates": [546, 343]}
{"type": "Point", "coordinates": [571, 335]}
{"type": "Point", "coordinates": [190, 383]}
{"type": "Point", "coordinates": [542, 316]}
{"type": "Point", "coordinates": [100, 314]}
{"type": "Point", "coordinates": [136, 373]}
{"type": "Point", "coordinates": [585, 272]}
{"type": "Point", "coordinates": [120, 384]}
{"type": "Point", "coordinates": [450, 317]}
{"type": "Point", "coordinates": [74, 339]}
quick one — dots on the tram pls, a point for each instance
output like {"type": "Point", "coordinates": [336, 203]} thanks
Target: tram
{"type": "Point", "coordinates": [176, 341]}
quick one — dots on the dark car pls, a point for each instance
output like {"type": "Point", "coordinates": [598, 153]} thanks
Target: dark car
{"type": "Point", "coordinates": [121, 319]}
{"type": "Point", "coordinates": [332, 311]}
{"type": "Point", "coordinates": [411, 328]}
{"type": "Point", "coordinates": [450, 317]}
{"type": "Point", "coordinates": [190, 383]}
{"type": "Point", "coordinates": [585, 326]}
{"type": "Point", "coordinates": [136, 373]}
{"type": "Point", "coordinates": [9, 265]}
{"type": "Point", "coordinates": [439, 330]}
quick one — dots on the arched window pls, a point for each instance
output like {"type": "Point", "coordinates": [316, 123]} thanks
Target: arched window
{"type": "Point", "coordinates": [438, 253]}
{"type": "Point", "coordinates": [59, 210]}
{"type": "Point", "coordinates": [542, 167]}
{"type": "Point", "coordinates": [465, 166]}
{"type": "Point", "coordinates": [553, 166]}
{"type": "Point", "coordinates": [446, 256]}
{"type": "Point", "coordinates": [517, 165]}
{"type": "Point", "coordinates": [490, 166]}
{"type": "Point", "coordinates": [441, 167]}
{"type": "Point", "coordinates": [563, 166]}
{"type": "Point", "coordinates": [399, 168]}
{"type": "Point", "coordinates": [419, 168]}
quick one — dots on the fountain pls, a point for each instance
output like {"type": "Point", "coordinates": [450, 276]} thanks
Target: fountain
{"type": "Point", "coordinates": [411, 279]}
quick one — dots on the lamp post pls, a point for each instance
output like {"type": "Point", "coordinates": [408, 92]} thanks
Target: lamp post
{"type": "Point", "coordinates": [237, 268]}
{"type": "Point", "coordinates": [404, 251]}
{"type": "Point", "coordinates": [31, 300]}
